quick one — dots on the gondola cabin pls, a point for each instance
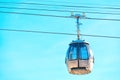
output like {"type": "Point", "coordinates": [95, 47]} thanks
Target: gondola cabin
{"type": "Point", "coordinates": [79, 58]}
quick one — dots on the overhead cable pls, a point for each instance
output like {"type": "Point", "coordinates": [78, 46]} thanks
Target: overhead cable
{"type": "Point", "coordinates": [35, 14]}
{"type": "Point", "coordinates": [41, 9]}
{"type": "Point", "coordinates": [63, 2]}
{"type": "Point", "coordinates": [72, 6]}
{"type": "Point", "coordinates": [45, 32]}
{"type": "Point", "coordinates": [59, 16]}
{"type": "Point", "coordinates": [103, 19]}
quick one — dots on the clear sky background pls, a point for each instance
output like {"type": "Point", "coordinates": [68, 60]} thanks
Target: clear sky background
{"type": "Point", "coordinates": [32, 56]}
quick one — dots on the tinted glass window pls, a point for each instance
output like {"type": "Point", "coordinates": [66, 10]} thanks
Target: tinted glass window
{"type": "Point", "coordinates": [72, 53]}
{"type": "Point", "coordinates": [79, 51]}
{"type": "Point", "coordinates": [83, 52]}
{"type": "Point", "coordinates": [67, 54]}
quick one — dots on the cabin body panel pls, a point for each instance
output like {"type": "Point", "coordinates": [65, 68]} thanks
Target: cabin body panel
{"type": "Point", "coordinates": [83, 67]}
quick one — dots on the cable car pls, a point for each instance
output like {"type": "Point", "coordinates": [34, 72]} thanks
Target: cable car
{"type": "Point", "coordinates": [79, 58]}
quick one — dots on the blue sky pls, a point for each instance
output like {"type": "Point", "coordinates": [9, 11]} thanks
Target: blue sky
{"type": "Point", "coordinates": [31, 56]}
